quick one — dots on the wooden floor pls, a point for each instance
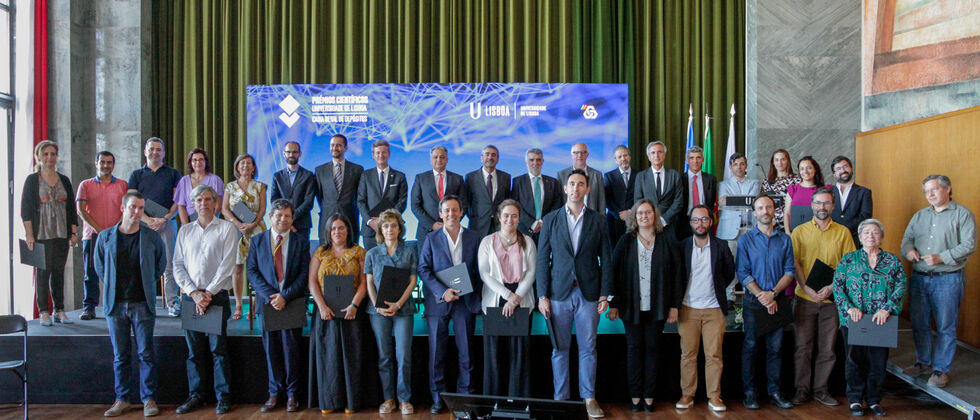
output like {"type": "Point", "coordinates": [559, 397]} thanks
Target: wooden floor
{"type": "Point", "coordinates": [898, 408]}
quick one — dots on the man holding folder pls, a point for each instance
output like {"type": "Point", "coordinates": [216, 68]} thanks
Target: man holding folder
{"type": "Point", "coordinates": [276, 284]}
{"type": "Point", "coordinates": [446, 248]}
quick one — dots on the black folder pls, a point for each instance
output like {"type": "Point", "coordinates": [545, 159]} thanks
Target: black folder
{"type": "Point", "coordinates": [36, 258]}
{"type": "Point", "coordinates": [516, 325]}
{"type": "Point", "coordinates": [243, 213]}
{"type": "Point", "coordinates": [212, 322]}
{"type": "Point", "coordinates": [456, 277]}
{"type": "Point", "coordinates": [739, 200]}
{"type": "Point", "coordinates": [394, 281]}
{"type": "Point", "coordinates": [154, 209]}
{"type": "Point", "coordinates": [821, 275]}
{"type": "Point", "coordinates": [292, 316]}
{"type": "Point", "coordinates": [866, 333]}
{"type": "Point", "coordinates": [338, 292]}
{"type": "Point", "coordinates": [550, 322]}
{"type": "Point", "coordinates": [765, 323]}
{"type": "Point", "coordinates": [800, 215]}
{"type": "Point", "coordinates": [382, 205]}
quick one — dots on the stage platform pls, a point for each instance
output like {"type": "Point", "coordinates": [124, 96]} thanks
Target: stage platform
{"type": "Point", "coordinates": [963, 390]}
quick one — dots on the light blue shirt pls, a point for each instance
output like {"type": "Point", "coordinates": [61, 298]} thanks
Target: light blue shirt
{"type": "Point", "coordinates": [377, 258]}
{"type": "Point", "coordinates": [762, 259]}
{"type": "Point", "coordinates": [574, 227]}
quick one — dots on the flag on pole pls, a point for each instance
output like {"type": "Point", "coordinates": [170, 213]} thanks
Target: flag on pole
{"type": "Point", "coordinates": [707, 167]}
{"type": "Point", "coordinates": [690, 134]}
{"type": "Point", "coordinates": [730, 149]}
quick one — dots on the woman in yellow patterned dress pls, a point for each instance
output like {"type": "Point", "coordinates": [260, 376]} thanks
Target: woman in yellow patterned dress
{"type": "Point", "coordinates": [245, 189]}
{"type": "Point", "coordinates": [335, 333]}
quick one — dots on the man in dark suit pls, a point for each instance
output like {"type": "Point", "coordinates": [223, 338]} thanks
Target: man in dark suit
{"type": "Point", "coordinates": [429, 188]}
{"type": "Point", "coordinates": [378, 184]}
{"type": "Point", "coordinates": [596, 198]}
{"type": "Point", "coordinates": [446, 247]}
{"type": "Point", "coordinates": [708, 268]}
{"type": "Point", "coordinates": [573, 279]}
{"type": "Point", "coordinates": [337, 183]}
{"type": "Point", "coordinates": [486, 188]}
{"type": "Point", "coordinates": [538, 194]}
{"type": "Point", "coordinates": [619, 194]}
{"type": "Point", "coordinates": [277, 284]}
{"type": "Point", "coordinates": [852, 202]}
{"type": "Point", "coordinates": [660, 184]}
{"type": "Point", "coordinates": [698, 188]}
{"type": "Point", "coordinates": [298, 185]}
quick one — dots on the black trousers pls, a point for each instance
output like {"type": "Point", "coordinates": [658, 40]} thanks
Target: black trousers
{"type": "Point", "coordinates": [864, 371]}
{"type": "Point", "coordinates": [338, 362]}
{"type": "Point", "coordinates": [507, 362]}
{"type": "Point", "coordinates": [52, 280]}
{"type": "Point", "coordinates": [641, 354]}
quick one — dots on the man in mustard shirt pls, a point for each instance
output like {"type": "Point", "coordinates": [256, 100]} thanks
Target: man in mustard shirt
{"type": "Point", "coordinates": [815, 313]}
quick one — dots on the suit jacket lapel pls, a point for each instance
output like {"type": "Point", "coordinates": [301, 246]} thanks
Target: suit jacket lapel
{"type": "Point", "coordinates": [586, 228]}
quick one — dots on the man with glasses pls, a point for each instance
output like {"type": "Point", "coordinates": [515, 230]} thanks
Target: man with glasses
{"type": "Point", "coordinates": [298, 185]}
{"type": "Point", "coordinates": [596, 198]}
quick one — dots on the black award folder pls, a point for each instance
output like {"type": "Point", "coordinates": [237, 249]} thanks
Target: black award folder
{"type": "Point", "coordinates": [866, 333]}
{"type": "Point", "coordinates": [243, 213]}
{"type": "Point", "coordinates": [516, 325]}
{"type": "Point", "coordinates": [212, 322]}
{"type": "Point", "coordinates": [153, 209]}
{"type": "Point", "coordinates": [338, 292]}
{"type": "Point", "coordinates": [382, 205]}
{"type": "Point", "coordinates": [550, 322]}
{"type": "Point", "coordinates": [394, 281]}
{"type": "Point", "coordinates": [765, 323]}
{"type": "Point", "coordinates": [35, 258]}
{"type": "Point", "coordinates": [292, 316]}
{"type": "Point", "coordinates": [456, 277]}
{"type": "Point", "coordinates": [743, 201]}
{"type": "Point", "coordinates": [800, 215]}
{"type": "Point", "coordinates": [821, 275]}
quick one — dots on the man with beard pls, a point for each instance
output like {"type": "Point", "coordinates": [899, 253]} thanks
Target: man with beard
{"type": "Point", "coordinates": [298, 185]}
{"type": "Point", "coordinates": [852, 202]}
{"type": "Point", "coordinates": [99, 202]}
{"type": "Point", "coordinates": [337, 183]}
{"type": "Point", "coordinates": [619, 193]}
{"type": "Point", "coordinates": [815, 312]}
{"type": "Point", "coordinates": [485, 189]}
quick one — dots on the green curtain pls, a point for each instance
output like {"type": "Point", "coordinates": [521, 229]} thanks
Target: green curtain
{"type": "Point", "coordinates": [671, 53]}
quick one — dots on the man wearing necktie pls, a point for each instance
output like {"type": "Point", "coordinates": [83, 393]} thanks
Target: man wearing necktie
{"type": "Point", "coordinates": [699, 188]}
{"type": "Point", "coordinates": [376, 185]}
{"type": "Point", "coordinates": [486, 188]}
{"type": "Point", "coordinates": [429, 188]}
{"type": "Point", "coordinates": [662, 185]}
{"type": "Point", "coordinates": [538, 194]}
{"type": "Point", "coordinates": [336, 188]}
{"type": "Point", "coordinates": [619, 193]}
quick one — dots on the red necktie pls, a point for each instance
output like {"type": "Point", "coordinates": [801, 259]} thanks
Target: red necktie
{"type": "Point", "coordinates": [696, 194]}
{"type": "Point", "coordinates": [277, 259]}
{"type": "Point", "coordinates": [442, 189]}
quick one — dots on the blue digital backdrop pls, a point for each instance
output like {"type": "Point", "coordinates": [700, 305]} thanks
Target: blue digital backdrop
{"type": "Point", "coordinates": [413, 118]}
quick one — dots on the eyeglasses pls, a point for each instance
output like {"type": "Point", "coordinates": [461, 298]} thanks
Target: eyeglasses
{"type": "Point", "coordinates": [580, 152]}
{"type": "Point", "coordinates": [700, 219]}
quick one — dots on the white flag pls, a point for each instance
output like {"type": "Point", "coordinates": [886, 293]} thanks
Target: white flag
{"type": "Point", "coordinates": [730, 149]}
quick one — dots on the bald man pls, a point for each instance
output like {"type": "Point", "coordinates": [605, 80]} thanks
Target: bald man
{"type": "Point", "coordinates": [596, 198]}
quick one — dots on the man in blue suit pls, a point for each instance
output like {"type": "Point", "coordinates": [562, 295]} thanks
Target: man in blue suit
{"type": "Point", "coordinates": [298, 185]}
{"type": "Point", "coordinates": [278, 284]}
{"type": "Point", "coordinates": [446, 247]}
{"type": "Point", "coordinates": [129, 258]}
{"type": "Point", "coordinates": [573, 285]}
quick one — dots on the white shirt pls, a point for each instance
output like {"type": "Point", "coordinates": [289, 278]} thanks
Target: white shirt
{"type": "Point", "coordinates": [645, 257]}
{"type": "Point", "coordinates": [383, 178]}
{"type": "Point", "coordinates": [574, 226]}
{"type": "Point", "coordinates": [700, 289]}
{"type": "Point", "coordinates": [661, 173]}
{"type": "Point", "coordinates": [204, 257]}
{"type": "Point", "coordinates": [690, 189]}
{"type": "Point", "coordinates": [844, 193]}
{"type": "Point", "coordinates": [435, 177]}
{"type": "Point", "coordinates": [455, 248]}
{"type": "Point", "coordinates": [284, 247]}
{"type": "Point", "coordinates": [493, 180]}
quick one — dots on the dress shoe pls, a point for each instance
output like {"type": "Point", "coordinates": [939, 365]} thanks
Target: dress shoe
{"type": "Point", "coordinates": [193, 403]}
{"type": "Point", "coordinates": [292, 405]}
{"type": "Point", "coordinates": [685, 402]}
{"type": "Point", "coordinates": [917, 369]}
{"type": "Point", "coordinates": [716, 404]}
{"type": "Point", "coordinates": [87, 315]}
{"type": "Point", "coordinates": [117, 409]}
{"type": "Point", "coordinates": [150, 408]}
{"type": "Point", "coordinates": [648, 406]}
{"type": "Point", "coordinates": [857, 410]}
{"type": "Point", "coordinates": [270, 404]}
{"type": "Point", "coordinates": [779, 401]}
{"type": "Point", "coordinates": [938, 379]}
{"type": "Point", "coordinates": [825, 399]}
{"type": "Point", "coordinates": [636, 407]}
{"type": "Point", "coordinates": [436, 407]}
{"type": "Point", "coordinates": [387, 407]}
{"type": "Point", "coordinates": [222, 407]}
{"type": "Point", "coordinates": [800, 398]}
{"type": "Point", "coordinates": [407, 408]}
{"type": "Point", "coordinates": [592, 407]}
{"type": "Point", "coordinates": [878, 410]}
{"type": "Point", "coordinates": [750, 401]}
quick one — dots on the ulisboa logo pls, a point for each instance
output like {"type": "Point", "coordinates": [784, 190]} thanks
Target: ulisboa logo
{"type": "Point", "coordinates": [589, 112]}
{"type": "Point", "coordinates": [475, 112]}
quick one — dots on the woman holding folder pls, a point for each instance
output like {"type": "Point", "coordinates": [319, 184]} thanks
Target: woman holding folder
{"type": "Point", "coordinates": [867, 282]}
{"type": "Point", "coordinates": [335, 334]}
{"type": "Point", "coordinates": [245, 189]}
{"type": "Point", "coordinates": [507, 262]}
{"type": "Point", "coordinates": [646, 266]}
{"type": "Point", "coordinates": [392, 320]}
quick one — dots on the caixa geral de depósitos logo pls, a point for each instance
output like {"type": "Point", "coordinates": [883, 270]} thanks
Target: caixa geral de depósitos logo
{"type": "Point", "coordinates": [589, 112]}
{"type": "Point", "coordinates": [289, 106]}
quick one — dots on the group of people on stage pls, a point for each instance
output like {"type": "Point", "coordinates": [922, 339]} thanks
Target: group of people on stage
{"type": "Point", "coordinates": [641, 246]}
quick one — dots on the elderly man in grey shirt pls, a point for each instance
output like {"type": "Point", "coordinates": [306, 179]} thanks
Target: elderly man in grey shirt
{"type": "Point", "coordinates": [937, 241]}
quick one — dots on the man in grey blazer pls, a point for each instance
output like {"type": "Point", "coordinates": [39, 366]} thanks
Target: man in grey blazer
{"type": "Point", "coordinates": [596, 198]}
{"type": "Point", "coordinates": [486, 188]}
{"type": "Point", "coordinates": [660, 184]}
{"type": "Point", "coordinates": [378, 184]}
{"type": "Point", "coordinates": [298, 185]}
{"type": "Point", "coordinates": [428, 190]}
{"type": "Point", "coordinates": [538, 194]}
{"type": "Point", "coordinates": [336, 187]}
